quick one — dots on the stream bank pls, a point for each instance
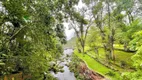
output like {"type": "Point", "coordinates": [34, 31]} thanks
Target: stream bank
{"type": "Point", "coordinates": [67, 74]}
{"type": "Point", "coordinates": [81, 70]}
{"type": "Point", "coordinates": [75, 69]}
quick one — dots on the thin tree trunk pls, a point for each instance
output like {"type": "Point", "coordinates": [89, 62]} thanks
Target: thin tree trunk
{"type": "Point", "coordinates": [126, 46]}
{"type": "Point", "coordinates": [99, 25]}
{"type": "Point", "coordinates": [111, 35]}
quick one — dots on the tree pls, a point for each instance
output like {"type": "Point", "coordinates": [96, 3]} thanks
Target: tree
{"type": "Point", "coordinates": [137, 59]}
{"type": "Point", "coordinates": [81, 24]}
{"type": "Point", "coordinates": [94, 40]}
{"type": "Point", "coordinates": [31, 35]}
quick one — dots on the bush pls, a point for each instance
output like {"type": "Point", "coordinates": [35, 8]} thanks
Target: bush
{"type": "Point", "coordinates": [80, 77]}
{"type": "Point", "coordinates": [110, 73]}
{"type": "Point", "coordinates": [73, 66]}
{"type": "Point", "coordinates": [122, 64]}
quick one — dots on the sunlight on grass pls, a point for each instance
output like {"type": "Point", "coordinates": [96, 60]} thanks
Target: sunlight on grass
{"type": "Point", "coordinates": [118, 46]}
{"type": "Point", "coordinates": [96, 66]}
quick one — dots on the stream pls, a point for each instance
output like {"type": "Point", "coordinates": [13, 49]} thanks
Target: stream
{"type": "Point", "coordinates": [66, 75]}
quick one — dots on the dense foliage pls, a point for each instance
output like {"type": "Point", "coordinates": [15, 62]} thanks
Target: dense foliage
{"type": "Point", "coordinates": [31, 35]}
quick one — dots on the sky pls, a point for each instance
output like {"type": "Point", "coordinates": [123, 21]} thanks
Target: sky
{"type": "Point", "coordinates": [69, 33]}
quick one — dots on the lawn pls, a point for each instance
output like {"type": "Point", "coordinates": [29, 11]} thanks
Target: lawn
{"type": "Point", "coordinates": [120, 56]}
{"type": "Point", "coordinates": [118, 46]}
{"type": "Point", "coordinates": [96, 66]}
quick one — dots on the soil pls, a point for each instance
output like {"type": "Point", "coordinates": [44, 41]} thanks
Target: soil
{"type": "Point", "coordinates": [90, 74]}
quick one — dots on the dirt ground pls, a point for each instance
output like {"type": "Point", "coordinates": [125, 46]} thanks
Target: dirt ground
{"type": "Point", "coordinates": [90, 74]}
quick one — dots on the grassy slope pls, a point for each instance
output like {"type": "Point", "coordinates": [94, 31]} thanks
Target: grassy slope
{"type": "Point", "coordinates": [94, 65]}
{"type": "Point", "coordinates": [119, 56]}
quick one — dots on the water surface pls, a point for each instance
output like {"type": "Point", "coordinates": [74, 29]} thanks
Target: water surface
{"type": "Point", "coordinates": [66, 75]}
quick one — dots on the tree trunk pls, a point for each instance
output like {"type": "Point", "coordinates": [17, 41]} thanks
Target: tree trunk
{"type": "Point", "coordinates": [126, 46]}
{"type": "Point", "coordinates": [112, 42]}
{"type": "Point", "coordinates": [111, 35]}
{"type": "Point", "coordinates": [97, 53]}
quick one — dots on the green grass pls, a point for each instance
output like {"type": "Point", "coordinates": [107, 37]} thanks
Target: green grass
{"type": "Point", "coordinates": [123, 56]}
{"type": "Point", "coordinates": [119, 57]}
{"type": "Point", "coordinates": [93, 64]}
{"type": "Point", "coordinates": [96, 66]}
{"type": "Point", "coordinates": [118, 46]}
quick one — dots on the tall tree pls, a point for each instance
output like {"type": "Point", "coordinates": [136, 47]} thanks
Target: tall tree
{"type": "Point", "coordinates": [31, 34]}
{"type": "Point", "coordinates": [81, 23]}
